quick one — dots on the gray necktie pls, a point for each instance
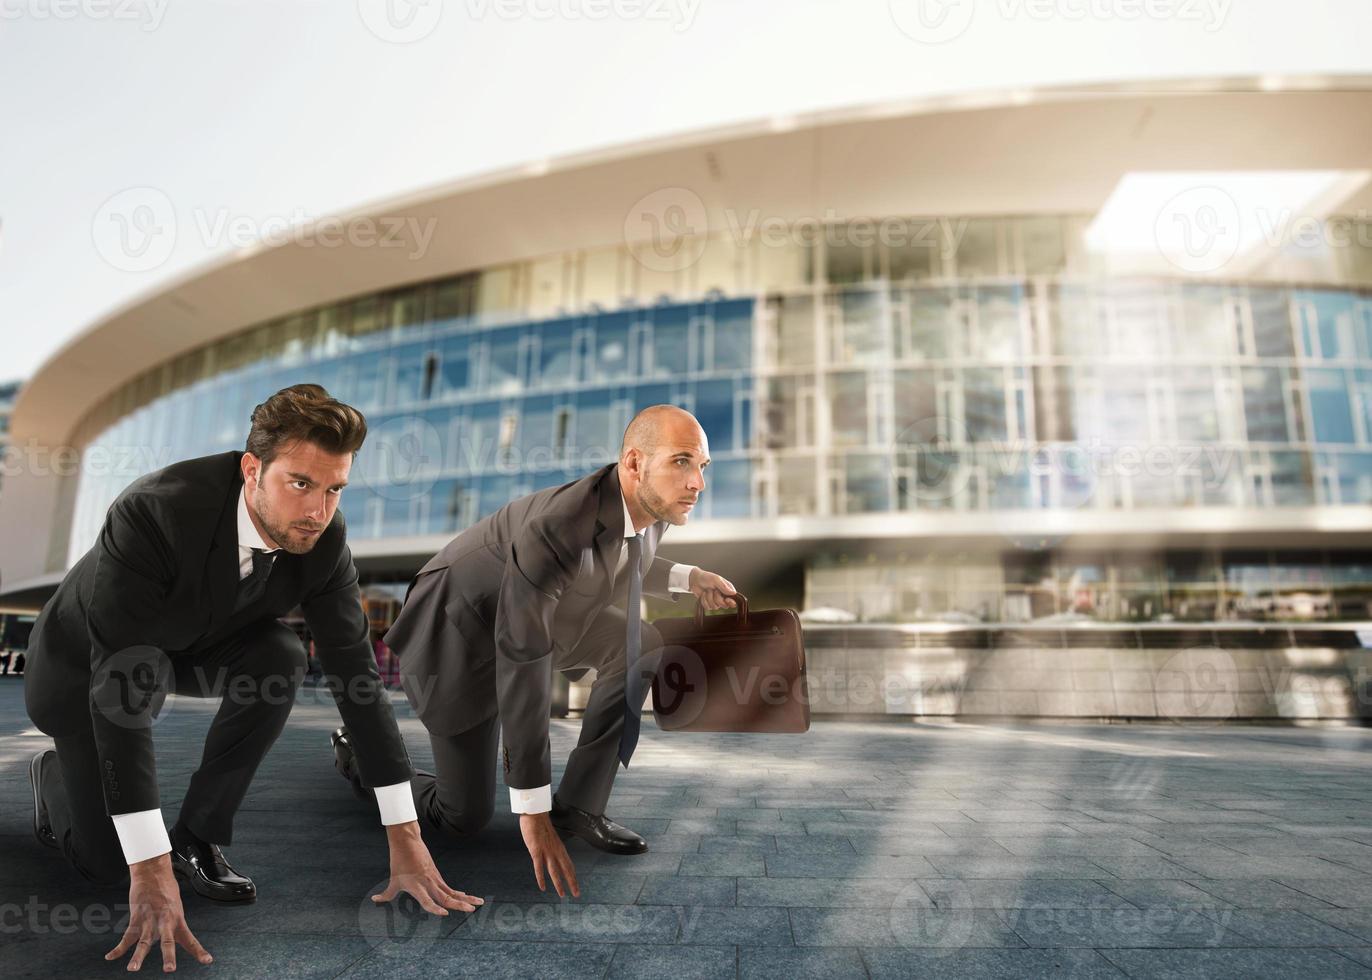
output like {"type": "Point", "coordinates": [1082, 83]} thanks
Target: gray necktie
{"type": "Point", "coordinates": [633, 697]}
{"type": "Point", "coordinates": [251, 588]}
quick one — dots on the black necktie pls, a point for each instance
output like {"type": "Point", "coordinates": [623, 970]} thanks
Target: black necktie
{"type": "Point", "coordinates": [252, 586]}
{"type": "Point", "coordinates": [633, 696]}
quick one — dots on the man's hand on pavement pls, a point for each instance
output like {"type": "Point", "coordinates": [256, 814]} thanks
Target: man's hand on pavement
{"type": "Point", "coordinates": [156, 917]}
{"type": "Point", "coordinates": [413, 871]}
{"type": "Point", "coordinates": [548, 853]}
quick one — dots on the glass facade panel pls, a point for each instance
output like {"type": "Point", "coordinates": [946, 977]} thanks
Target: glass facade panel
{"type": "Point", "coordinates": [1330, 408]}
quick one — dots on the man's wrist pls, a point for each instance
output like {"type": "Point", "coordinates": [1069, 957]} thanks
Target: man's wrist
{"type": "Point", "coordinates": [402, 831]}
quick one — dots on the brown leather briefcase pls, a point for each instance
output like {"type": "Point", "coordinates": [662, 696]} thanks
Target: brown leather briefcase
{"type": "Point", "coordinates": [738, 672]}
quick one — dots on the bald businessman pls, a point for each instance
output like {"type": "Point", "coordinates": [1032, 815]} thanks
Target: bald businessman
{"type": "Point", "coordinates": [550, 582]}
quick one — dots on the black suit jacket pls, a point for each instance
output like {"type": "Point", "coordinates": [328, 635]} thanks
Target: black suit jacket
{"type": "Point", "coordinates": [486, 620]}
{"type": "Point", "coordinates": [164, 574]}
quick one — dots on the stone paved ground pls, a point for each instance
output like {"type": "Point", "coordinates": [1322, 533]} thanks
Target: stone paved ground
{"type": "Point", "coordinates": [877, 850]}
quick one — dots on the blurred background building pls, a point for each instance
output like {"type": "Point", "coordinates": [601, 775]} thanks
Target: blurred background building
{"type": "Point", "coordinates": [1068, 357]}
{"type": "Point", "coordinates": [13, 628]}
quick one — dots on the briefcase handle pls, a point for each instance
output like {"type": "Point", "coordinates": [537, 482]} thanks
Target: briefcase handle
{"type": "Point", "coordinates": [740, 600]}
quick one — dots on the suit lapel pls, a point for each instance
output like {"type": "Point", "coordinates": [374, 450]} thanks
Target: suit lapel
{"type": "Point", "coordinates": [609, 536]}
{"type": "Point", "coordinates": [221, 567]}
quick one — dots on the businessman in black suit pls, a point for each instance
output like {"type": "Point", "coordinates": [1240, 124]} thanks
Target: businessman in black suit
{"type": "Point", "coordinates": [182, 592]}
{"type": "Point", "coordinates": [551, 581]}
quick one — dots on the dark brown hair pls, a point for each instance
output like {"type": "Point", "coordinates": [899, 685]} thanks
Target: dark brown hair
{"type": "Point", "coordinates": [304, 412]}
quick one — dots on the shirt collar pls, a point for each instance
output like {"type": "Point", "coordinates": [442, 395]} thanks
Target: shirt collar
{"type": "Point", "coordinates": [247, 530]}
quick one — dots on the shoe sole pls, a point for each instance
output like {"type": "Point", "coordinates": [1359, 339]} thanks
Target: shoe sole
{"type": "Point", "coordinates": [35, 781]}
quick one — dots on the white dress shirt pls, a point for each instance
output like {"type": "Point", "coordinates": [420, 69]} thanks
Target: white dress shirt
{"type": "Point", "coordinates": [540, 799]}
{"type": "Point", "coordinates": [143, 835]}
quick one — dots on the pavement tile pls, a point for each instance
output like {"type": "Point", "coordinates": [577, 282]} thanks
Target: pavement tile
{"type": "Point", "coordinates": [1285, 927]}
{"type": "Point", "coordinates": [672, 963]}
{"type": "Point", "coordinates": [686, 890]}
{"type": "Point", "coordinates": [988, 964]}
{"type": "Point", "coordinates": [488, 959]}
{"type": "Point", "coordinates": [901, 926]}
{"type": "Point", "coordinates": [1236, 964]}
{"type": "Point", "coordinates": [779, 963]}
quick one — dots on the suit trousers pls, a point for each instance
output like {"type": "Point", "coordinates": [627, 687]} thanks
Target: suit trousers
{"type": "Point", "coordinates": [459, 797]}
{"type": "Point", "coordinates": [256, 672]}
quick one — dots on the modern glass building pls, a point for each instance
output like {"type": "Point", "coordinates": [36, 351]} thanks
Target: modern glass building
{"type": "Point", "coordinates": [999, 374]}
{"type": "Point", "coordinates": [981, 415]}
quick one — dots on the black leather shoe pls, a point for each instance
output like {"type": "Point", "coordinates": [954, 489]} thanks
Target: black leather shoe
{"type": "Point", "coordinates": [599, 832]}
{"type": "Point", "coordinates": [42, 826]}
{"type": "Point", "coordinates": [344, 760]}
{"type": "Point", "coordinates": [204, 866]}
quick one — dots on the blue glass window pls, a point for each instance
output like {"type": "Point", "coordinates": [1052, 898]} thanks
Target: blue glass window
{"type": "Point", "coordinates": [1330, 406]}
{"type": "Point", "coordinates": [866, 483]}
{"type": "Point", "coordinates": [728, 488]}
{"type": "Point", "coordinates": [593, 441]}
{"type": "Point", "coordinates": [611, 347]}
{"type": "Point", "coordinates": [715, 413]}
{"type": "Point", "coordinates": [502, 359]}
{"type": "Point", "coordinates": [480, 437]}
{"type": "Point", "coordinates": [984, 400]}
{"type": "Point", "coordinates": [1291, 483]}
{"type": "Point", "coordinates": [671, 342]}
{"type": "Point", "coordinates": [1322, 318]}
{"type": "Point", "coordinates": [555, 363]}
{"type": "Point", "coordinates": [1271, 322]}
{"type": "Point", "coordinates": [1264, 405]}
{"type": "Point", "coordinates": [536, 439]}
{"type": "Point", "coordinates": [733, 335]}
{"type": "Point", "coordinates": [407, 385]}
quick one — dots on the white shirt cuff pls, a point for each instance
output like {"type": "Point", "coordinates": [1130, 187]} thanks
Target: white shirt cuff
{"type": "Point", "coordinates": [537, 800]}
{"type": "Point", "coordinates": [395, 803]}
{"type": "Point", "coordinates": [679, 578]}
{"type": "Point", "coordinates": [142, 835]}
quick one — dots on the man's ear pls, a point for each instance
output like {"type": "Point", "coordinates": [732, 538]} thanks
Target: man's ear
{"type": "Point", "coordinates": [251, 467]}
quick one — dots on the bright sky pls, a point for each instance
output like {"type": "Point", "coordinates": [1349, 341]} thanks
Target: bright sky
{"type": "Point", "coordinates": [272, 110]}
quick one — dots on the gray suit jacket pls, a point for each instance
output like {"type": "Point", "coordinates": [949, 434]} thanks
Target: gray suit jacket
{"type": "Point", "coordinates": [486, 620]}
